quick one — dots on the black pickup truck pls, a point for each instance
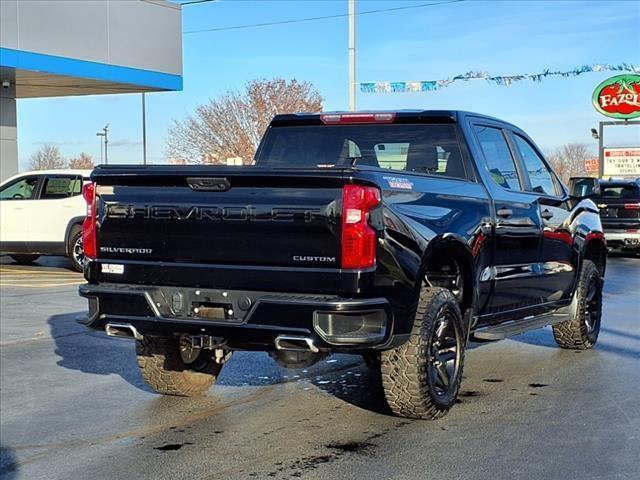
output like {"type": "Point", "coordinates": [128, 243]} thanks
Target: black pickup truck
{"type": "Point", "coordinates": [618, 200]}
{"type": "Point", "coordinates": [395, 235]}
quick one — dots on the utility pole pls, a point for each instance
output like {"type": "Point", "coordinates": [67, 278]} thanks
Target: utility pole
{"type": "Point", "coordinates": [106, 141]}
{"type": "Point", "coordinates": [144, 131]}
{"type": "Point", "coordinates": [352, 55]}
{"type": "Point", "coordinates": [105, 135]}
{"type": "Point", "coordinates": [101, 154]}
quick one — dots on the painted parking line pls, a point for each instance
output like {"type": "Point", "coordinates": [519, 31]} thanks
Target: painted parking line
{"type": "Point", "coordinates": [15, 271]}
{"type": "Point", "coordinates": [37, 278]}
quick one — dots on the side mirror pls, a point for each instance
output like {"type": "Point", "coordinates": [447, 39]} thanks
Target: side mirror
{"type": "Point", "coordinates": [584, 187]}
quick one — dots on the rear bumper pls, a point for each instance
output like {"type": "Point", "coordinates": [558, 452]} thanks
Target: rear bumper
{"type": "Point", "coordinates": [622, 239]}
{"type": "Point", "coordinates": [245, 319]}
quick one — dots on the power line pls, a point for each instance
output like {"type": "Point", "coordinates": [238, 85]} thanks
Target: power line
{"type": "Point", "coordinates": [194, 2]}
{"type": "Point", "coordinates": [325, 17]}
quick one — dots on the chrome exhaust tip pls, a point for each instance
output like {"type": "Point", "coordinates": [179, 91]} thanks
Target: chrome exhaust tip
{"type": "Point", "coordinates": [295, 343]}
{"type": "Point", "coordinates": [123, 330]}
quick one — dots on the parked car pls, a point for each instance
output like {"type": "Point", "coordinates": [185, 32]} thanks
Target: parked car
{"type": "Point", "coordinates": [619, 204]}
{"type": "Point", "coordinates": [397, 236]}
{"type": "Point", "coordinates": [41, 213]}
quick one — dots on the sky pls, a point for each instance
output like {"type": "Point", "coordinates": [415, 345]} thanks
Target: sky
{"type": "Point", "coordinates": [426, 43]}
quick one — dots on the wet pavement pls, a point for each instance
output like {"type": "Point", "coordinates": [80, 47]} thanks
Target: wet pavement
{"type": "Point", "coordinates": [73, 405]}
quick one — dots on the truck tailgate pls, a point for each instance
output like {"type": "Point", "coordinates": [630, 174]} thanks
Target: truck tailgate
{"type": "Point", "coordinates": [239, 222]}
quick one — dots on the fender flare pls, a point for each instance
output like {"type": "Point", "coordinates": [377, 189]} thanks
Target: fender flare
{"type": "Point", "coordinates": [460, 245]}
{"type": "Point", "coordinates": [592, 239]}
{"type": "Point", "coordinates": [67, 233]}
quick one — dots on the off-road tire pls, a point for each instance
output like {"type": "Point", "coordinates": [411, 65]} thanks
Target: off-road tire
{"type": "Point", "coordinates": [24, 259]}
{"type": "Point", "coordinates": [576, 333]}
{"type": "Point", "coordinates": [164, 370]}
{"type": "Point", "coordinates": [74, 236]}
{"type": "Point", "coordinates": [406, 379]}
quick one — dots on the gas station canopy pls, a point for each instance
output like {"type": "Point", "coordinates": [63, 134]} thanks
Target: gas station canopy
{"type": "Point", "coordinates": [53, 48]}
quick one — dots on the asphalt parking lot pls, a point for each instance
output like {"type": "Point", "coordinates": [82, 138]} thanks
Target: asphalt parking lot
{"type": "Point", "coordinates": [73, 405]}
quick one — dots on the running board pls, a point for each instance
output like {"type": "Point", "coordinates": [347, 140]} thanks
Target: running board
{"type": "Point", "coordinates": [516, 327]}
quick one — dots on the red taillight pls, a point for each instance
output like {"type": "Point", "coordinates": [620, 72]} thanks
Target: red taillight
{"type": "Point", "coordinates": [89, 234]}
{"type": "Point", "coordinates": [358, 238]}
{"type": "Point", "coordinates": [357, 117]}
{"type": "Point", "coordinates": [632, 206]}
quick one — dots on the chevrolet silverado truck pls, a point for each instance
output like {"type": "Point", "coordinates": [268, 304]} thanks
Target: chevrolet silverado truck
{"type": "Point", "coordinates": [399, 236]}
{"type": "Point", "coordinates": [619, 203]}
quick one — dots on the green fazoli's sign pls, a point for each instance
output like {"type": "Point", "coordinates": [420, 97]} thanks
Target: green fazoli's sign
{"type": "Point", "coordinates": [618, 97]}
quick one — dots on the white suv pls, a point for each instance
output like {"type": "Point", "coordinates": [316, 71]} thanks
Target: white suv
{"type": "Point", "coordinates": [41, 213]}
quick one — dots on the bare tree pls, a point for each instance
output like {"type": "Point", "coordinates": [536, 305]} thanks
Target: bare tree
{"type": "Point", "coordinates": [231, 125]}
{"type": "Point", "coordinates": [569, 160]}
{"type": "Point", "coordinates": [84, 161]}
{"type": "Point", "coordinates": [47, 157]}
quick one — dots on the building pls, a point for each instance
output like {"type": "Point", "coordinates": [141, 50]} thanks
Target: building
{"type": "Point", "coordinates": [52, 48]}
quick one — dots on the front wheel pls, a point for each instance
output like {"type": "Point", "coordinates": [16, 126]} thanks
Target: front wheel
{"type": "Point", "coordinates": [171, 366]}
{"type": "Point", "coordinates": [421, 378]}
{"type": "Point", "coordinates": [581, 331]}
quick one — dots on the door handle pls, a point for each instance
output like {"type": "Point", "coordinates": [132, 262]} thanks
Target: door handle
{"type": "Point", "coordinates": [546, 214]}
{"type": "Point", "coordinates": [504, 212]}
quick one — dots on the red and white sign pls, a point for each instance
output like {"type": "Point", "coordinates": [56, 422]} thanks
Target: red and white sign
{"type": "Point", "coordinates": [621, 162]}
{"type": "Point", "coordinates": [591, 165]}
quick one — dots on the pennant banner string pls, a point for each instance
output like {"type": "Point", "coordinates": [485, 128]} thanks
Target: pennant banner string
{"type": "Point", "coordinates": [431, 85]}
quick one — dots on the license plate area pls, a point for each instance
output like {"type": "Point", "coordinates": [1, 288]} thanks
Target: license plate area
{"type": "Point", "coordinates": [213, 311]}
{"type": "Point", "coordinates": [214, 305]}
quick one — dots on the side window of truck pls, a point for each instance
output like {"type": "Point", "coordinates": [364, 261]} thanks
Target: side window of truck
{"type": "Point", "coordinates": [539, 174]}
{"type": "Point", "coordinates": [433, 159]}
{"type": "Point", "coordinates": [499, 160]}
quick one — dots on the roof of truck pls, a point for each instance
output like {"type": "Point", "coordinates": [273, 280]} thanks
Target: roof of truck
{"type": "Point", "coordinates": [426, 116]}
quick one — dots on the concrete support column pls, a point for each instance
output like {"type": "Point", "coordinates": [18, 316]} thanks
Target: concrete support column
{"type": "Point", "coordinates": [8, 125]}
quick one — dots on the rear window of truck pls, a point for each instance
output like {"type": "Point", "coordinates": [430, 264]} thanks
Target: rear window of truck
{"type": "Point", "coordinates": [621, 191]}
{"type": "Point", "coordinates": [427, 149]}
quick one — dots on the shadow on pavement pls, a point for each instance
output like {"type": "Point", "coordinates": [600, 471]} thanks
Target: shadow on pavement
{"type": "Point", "coordinates": [47, 262]}
{"type": "Point", "coordinates": [544, 338]}
{"type": "Point", "coordinates": [93, 352]}
{"type": "Point", "coordinates": [343, 376]}
{"type": "Point", "coordinates": [8, 463]}
{"type": "Point", "coordinates": [620, 333]}
{"type": "Point", "coordinates": [360, 387]}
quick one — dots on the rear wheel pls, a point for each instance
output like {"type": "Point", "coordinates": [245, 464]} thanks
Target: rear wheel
{"type": "Point", "coordinates": [421, 378]}
{"type": "Point", "coordinates": [581, 331]}
{"type": "Point", "coordinates": [171, 366]}
{"type": "Point", "coordinates": [25, 259]}
{"type": "Point", "coordinates": [75, 249]}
